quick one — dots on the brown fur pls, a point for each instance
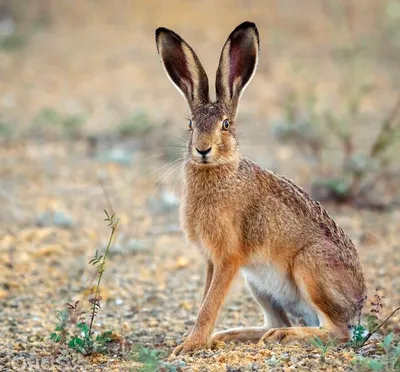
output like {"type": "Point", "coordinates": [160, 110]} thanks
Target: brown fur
{"type": "Point", "coordinates": [241, 215]}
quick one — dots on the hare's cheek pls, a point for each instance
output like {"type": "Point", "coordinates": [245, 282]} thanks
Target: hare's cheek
{"type": "Point", "coordinates": [228, 145]}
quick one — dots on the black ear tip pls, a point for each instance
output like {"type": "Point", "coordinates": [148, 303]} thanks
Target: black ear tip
{"type": "Point", "coordinates": [160, 30]}
{"type": "Point", "coordinates": [246, 24]}
{"type": "Point", "coordinates": [244, 28]}
{"type": "Point", "coordinates": [168, 34]}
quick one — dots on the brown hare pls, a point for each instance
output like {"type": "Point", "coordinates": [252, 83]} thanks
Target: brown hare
{"type": "Point", "coordinates": [295, 258]}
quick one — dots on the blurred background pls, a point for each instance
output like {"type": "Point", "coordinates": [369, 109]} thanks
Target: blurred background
{"type": "Point", "coordinates": [89, 121]}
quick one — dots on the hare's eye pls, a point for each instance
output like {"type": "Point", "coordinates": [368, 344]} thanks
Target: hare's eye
{"type": "Point", "coordinates": [225, 124]}
{"type": "Point", "coordinates": [190, 124]}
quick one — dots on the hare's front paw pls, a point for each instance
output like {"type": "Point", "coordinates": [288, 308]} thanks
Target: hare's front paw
{"type": "Point", "coordinates": [191, 344]}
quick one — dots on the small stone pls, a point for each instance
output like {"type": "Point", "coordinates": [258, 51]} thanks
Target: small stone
{"type": "Point", "coordinates": [182, 262]}
{"type": "Point", "coordinates": [118, 301]}
{"type": "Point", "coordinates": [55, 218]}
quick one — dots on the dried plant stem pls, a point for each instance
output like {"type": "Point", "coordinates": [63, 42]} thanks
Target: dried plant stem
{"type": "Point", "coordinates": [368, 336]}
{"type": "Point", "coordinates": [382, 142]}
{"type": "Point", "coordinates": [350, 17]}
{"type": "Point", "coordinates": [388, 127]}
{"type": "Point", "coordinates": [101, 269]}
{"type": "Point", "coordinates": [106, 195]}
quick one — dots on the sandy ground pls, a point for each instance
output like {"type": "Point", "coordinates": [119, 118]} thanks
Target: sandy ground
{"type": "Point", "coordinates": [153, 281]}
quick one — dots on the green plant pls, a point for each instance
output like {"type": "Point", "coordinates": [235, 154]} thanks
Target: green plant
{"type": "Point", "coordinates": [322, 346]}
{"type": "Point", "coordinates": [60, 332]}
{"type": "Point", "coordinates": [276, 361]}
{"type": "Point", "coordinates": [51, 121]}
{"type": "Point", "coordinates": [85, 344]}
{"type": "Point", "coordinates": [150, 360]}
{"type": "Point", "coordinates": [13, 42]}
{"type": "Point", "coordinates": [136, 125]}
{"type": "Point", "coordinates": [369, 364]}
{"type": "Point", "coordinates": [314, 128]}
{"type": "Point", "coordinates": [80, 338]}
{"type": "Point", "coordinates": [379, 326]}
{"type": "Point", "coordinates": [301, 127]}
{"type": "Point", "coordinates": [20, 24]}
{"type": "Point", "coordinates": [7, 131]}
{"type": "Point", "coordinates": [362, 333]}
{"type": "Point", "coordinates": [359, 332]}
{"type": "Point", "coordinates": [313, 131]}
{"type": "Point", "coordinates": [389, 361]}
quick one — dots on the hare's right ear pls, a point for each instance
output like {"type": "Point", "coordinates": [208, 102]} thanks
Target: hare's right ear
{"type": "Point", "coordinates": [237, 65]}
{"type": "Point", "coordinates": [183, 67]}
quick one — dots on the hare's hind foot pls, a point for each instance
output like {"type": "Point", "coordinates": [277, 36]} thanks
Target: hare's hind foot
{"type": "Point", "coordinates": [252, 334]}
{"type": "Point", "coordinates": [304, 334]}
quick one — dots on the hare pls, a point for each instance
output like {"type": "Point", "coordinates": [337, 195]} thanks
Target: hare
{"type": "Point", "coordinates": [293, 255]}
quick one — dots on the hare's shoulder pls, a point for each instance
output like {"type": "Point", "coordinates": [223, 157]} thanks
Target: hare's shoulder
{"type": "Point", "coordinates": [300, 202]}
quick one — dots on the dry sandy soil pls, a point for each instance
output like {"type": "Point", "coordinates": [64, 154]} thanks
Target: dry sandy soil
{"type": "Point", "coordinates": [97, 59]}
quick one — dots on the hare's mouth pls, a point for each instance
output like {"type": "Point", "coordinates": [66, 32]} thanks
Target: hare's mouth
{"type": "Point", "coordinates": [202, 161]}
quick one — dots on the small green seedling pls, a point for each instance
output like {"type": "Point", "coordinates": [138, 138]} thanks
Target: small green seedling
{"type": "Point", "coordinates": [322, 346]}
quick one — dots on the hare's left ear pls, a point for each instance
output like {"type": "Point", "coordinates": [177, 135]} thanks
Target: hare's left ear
{"type": "Point", "coordinates": [183, 67]}
{"type": "Point", "coordinates": [237, 65]}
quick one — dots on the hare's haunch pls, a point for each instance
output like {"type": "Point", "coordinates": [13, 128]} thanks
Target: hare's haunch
{"type": "Point", "coordinates": [243, 218]}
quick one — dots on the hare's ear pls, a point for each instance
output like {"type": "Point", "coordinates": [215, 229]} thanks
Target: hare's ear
{"type": "Point", "coordinates": [237, 64]}
{"type": "Point", "coordinates": [183, 67]}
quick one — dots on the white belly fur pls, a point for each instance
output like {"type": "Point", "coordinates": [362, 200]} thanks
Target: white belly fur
{"type": "Point", "coordinates": [269, 280]}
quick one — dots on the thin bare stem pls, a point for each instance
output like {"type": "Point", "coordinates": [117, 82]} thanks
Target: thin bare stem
{"type": "Point", "coordinates": [383, 139]}
{"type": "Point", "coordinates": [382, 142]}
{"type": "Point", "coordinates": [106, 195]}
{"type": "Point", "coordinates": [368, 336]}
{"type": "Point", "coordinates": [101, 269]}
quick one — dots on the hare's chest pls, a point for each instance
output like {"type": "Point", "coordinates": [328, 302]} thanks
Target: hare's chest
{"type": "Point", "coordinates": [208, 225]}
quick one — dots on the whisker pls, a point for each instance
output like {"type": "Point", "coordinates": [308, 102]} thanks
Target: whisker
{"type": "Point", "coordinates": [153, 157]}
{"type": "Point", "coordinates": [170, 162]}
{"type": "Point", "coordinates": [160, 180]}
{"type": "Point", "coordinates": [156, 146]}
{"type": "Point", "coordinates": [178, 177]}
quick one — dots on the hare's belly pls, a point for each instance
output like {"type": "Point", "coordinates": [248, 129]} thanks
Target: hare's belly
{"type": "Point", "coordinates": [268, 280]}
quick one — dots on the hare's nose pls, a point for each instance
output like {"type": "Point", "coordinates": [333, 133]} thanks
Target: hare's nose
{"type": "Point", "coordinates": [203, 152]}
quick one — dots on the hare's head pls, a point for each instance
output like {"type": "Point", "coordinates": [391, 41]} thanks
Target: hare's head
{"type": "Point", "coordinates": [212, 124]}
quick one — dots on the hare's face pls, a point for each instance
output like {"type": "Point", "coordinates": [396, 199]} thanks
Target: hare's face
{"type": "Point", "coordinates": [212, 138]}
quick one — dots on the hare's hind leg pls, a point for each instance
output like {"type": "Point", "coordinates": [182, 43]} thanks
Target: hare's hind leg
{"type": "Point", "coordinates": [332, 288]}
{"type": "Point", "coordinates": [330, 328]}
{"type": "Point", "coordinates": [292, 334]}
{"type": "Point", "coordinates": [328, 331]}
{"type": "Point", "coordinates": [274, 316]}
{"type": "Point", "coordinates": [252, 334]}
